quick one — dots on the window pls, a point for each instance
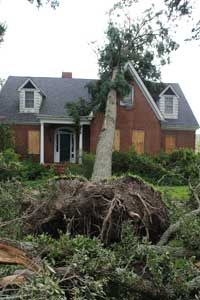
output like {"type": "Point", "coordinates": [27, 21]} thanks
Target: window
{"type": "Point", "coordinates": [138, 140]}
{"type": "Point", "coordinates": [169, 104]}
{"type": "Point", "coordinates": [128, 100]}
{"type": "Point", "coordinates": [29, 99]}
{"type": "Point", "coordinates": [33, 142]}
{"type": "Point", "coordinates": [170, 143]}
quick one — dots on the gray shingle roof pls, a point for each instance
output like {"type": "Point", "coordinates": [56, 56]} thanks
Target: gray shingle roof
{"type": "Point", "coordinates": [59, 91]}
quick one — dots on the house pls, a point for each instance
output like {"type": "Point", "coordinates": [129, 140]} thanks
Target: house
{"type": "Point", "coordinates": [35, 107]}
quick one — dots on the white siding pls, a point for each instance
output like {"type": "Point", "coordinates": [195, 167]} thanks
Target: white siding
{"type": "Point", "coordinates": [37, 102]}
{"type": "Point", "coordinates": [174, 115]}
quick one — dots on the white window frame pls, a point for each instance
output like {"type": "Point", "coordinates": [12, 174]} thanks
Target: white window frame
{"type": "Point", "coordinates": [124, 101]}
{"type": "Point", "coordinates": [171, 98]}
{"type": "Point", "coordinates": [32, 91]}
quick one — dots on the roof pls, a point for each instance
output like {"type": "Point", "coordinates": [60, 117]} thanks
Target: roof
{"type": "Point", "coordinates": [186, 118]}
{"type": "Point", "coordinates": [59, 91]}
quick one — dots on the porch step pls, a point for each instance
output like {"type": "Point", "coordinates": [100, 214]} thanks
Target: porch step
{"type": "Point", "coordinates": [59, 168]}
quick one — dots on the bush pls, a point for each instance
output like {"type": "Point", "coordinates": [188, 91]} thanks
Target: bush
{"type": "Point", "coordinates": [85, 169]}
{"type": "Point", "coordinates": [11, 195]}
{"type": "Point", "coordinates": [6, 134]}
{"type": "Point", "coordinates": [141, 165]}
{"type": "Point", "coordinates": [32, 170]}
{"type": "Point", "coordinates": [10, 165]}
{"type": "Point", "coordinates": [166, 169]}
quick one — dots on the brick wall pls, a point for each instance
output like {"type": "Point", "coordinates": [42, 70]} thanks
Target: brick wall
{"type": "Point", "coordinates": [21, 139]}
{"type": "Point", "coordinates": [139, 117]}
{"type": "Point", "coordinates": [184, 138]}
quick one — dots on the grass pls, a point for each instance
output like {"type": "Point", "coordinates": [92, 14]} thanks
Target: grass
{"type": "Point", "coordinates": [175, 192]}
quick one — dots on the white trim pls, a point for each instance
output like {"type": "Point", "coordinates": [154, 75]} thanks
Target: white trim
{"type": "Point", "coordinates": [145, 91]}
{"type": "Point", "coordinates": [64, 120]}
{"type": "Point", "coordinates": [72, 134]}
{"type": "Point", "coordinates": [41, 142]}
{"type": "Point", "coordinates": [80, 145]}
{"type": "Point", "coordinates": [33, 83]}
{"type": "Point", "coordinates": [28, 80]}
{"type": "Point", "coordinates": [171, 87]}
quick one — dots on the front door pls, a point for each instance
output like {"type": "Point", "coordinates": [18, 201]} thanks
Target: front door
{"type": "Point", "coordinates": [64, 147]}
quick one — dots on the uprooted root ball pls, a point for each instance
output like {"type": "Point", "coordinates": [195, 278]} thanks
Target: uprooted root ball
{"type": "Point", "coordinates": [99, 209]}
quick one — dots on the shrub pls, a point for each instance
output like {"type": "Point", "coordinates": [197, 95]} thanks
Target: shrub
{"type": "Point", "coordinates": [6, 134]}
{"type": "Point", "coordinates": [32, 170]}
{"type": "Point", "coordinates": [141, 165]}
{"type": "Point", "coordinates": [10, 165]}
{"type": "Point", "coordinates": [165, 169]}
{"type": "Point", "coordinates": [85, 169]}
{"type": "Point", "coordinates": [11, 195]}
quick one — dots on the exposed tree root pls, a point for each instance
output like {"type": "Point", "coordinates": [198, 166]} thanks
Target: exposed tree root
{"type": "Point", "coordinates": [99, 209]}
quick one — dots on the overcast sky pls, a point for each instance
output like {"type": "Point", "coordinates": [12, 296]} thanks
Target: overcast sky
{"type": "Point", "coordinates": [46, 42]}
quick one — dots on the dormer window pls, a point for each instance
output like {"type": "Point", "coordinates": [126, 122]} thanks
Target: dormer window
{"type": "Point", "coordinates": [168, 103]}
{"type": "Point", "coordinates": [29, 99]}
{"type": "Point", "coordinates": [128, 100]}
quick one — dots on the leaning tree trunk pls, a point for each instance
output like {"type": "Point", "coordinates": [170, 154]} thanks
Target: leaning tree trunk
{"type": "Point", "coordinates": [103, 161]}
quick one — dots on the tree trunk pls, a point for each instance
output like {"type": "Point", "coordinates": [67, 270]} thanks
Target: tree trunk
{"type": "Point", "coordinates": [103, 161]}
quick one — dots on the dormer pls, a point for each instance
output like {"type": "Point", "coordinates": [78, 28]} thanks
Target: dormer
{"type": "Point", "coordinates": [168, 103]}
{"type": "Point", "coordinates": [30, 97]}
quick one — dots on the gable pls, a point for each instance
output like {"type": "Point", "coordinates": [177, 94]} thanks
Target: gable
{"type": "Point", "coordinates": [129, 66]}
{"type": "Point", "coordinates": [170, 92]}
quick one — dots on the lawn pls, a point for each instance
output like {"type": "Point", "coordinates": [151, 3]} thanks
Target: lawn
{"type": "Point", "coordinates": [175, 192]}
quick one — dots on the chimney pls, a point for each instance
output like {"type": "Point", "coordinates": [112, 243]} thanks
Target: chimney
{"type": "Point", "coordinates": [66, 74]}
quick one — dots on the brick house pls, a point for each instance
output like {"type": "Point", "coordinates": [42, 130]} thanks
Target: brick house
{"type": "Point", "coordinates": [35, 106]}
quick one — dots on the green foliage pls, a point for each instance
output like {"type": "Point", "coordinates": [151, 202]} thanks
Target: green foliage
{"type": "Point", "coordinates": [175, 168]}
{"type": "Point", "coordinates": [6, 134]}
{"type": "Point", "coordinates": [77, 109]}
{"type": "Point", "coordinates": [189, 233]}
{"type": "Point", "coordinates": [10, 166]}
{"type": "Point", "coordinates": [11, 195]}
{"type": "Point", "coordinates": [32, 171]}
{"type": "Point", "coordinates": [110, 273]}
{"type": "Point", "coordinates": [53, 3]}
{"type": "Point", "coordinates": [43, 286]}
{"type": "Point", "coordinates": [2, 31]}
{"type": "Point", "coordinates": [85, 169]}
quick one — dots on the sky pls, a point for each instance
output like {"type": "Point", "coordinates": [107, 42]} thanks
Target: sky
{"type": "Point", "coordinates": [46, 42]}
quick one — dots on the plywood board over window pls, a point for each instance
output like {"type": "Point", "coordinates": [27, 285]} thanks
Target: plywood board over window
{"type": "Point", "coordinates": [138, 140]}
{"type": "Point", "coordinates": [33, 142]}
{"type": "Point", "coordinates": [116, 143]}
{"type": "Point", "coordinates": [170, 143]}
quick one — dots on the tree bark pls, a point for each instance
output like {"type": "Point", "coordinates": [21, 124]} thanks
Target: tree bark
{"type": "Point", "coordinates": [103, 161]}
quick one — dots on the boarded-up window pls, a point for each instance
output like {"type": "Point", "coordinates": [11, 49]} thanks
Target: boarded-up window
{"type": "Point", "coordinates": [170, 143]}
{"type": "Point", "coordinates": [116, 143]}
{"type": "Point", "coordinates": [138, 140]}
{"type": "Point", "coordinates": [33, 142]}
